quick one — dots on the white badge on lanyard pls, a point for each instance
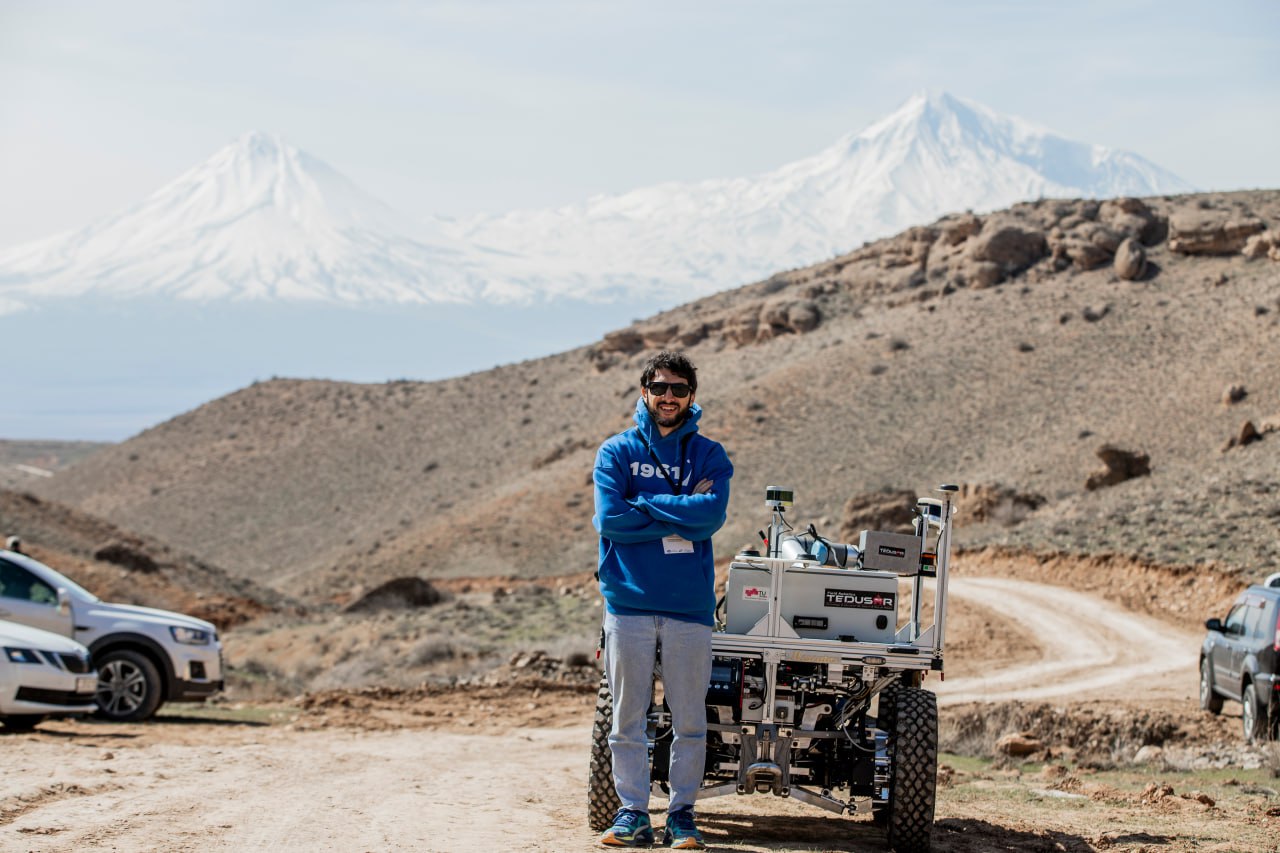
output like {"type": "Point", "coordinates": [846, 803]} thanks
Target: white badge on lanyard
{"type": "Point", "coordinates": [676, 545]}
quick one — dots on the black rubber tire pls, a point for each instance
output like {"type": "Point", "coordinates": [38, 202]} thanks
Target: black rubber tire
{"type": "Point", "coordinates": [888, 707]}
{"type": "Point", "coordinates": [1254, 717]}
{"type": "Point", "coordinates": [914, 773]}
{"type": "Point", "coordinates": [1209, 700]}
{"type": "Point", "coordinates": [22, 722]}
{"type": "Point", "coordinates": [129, 686]}
{"type": "Point", "coordinates": [602, 796]}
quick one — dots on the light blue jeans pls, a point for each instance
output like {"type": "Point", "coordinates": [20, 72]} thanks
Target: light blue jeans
{"type": "Point", "coordinates": [630, 647]}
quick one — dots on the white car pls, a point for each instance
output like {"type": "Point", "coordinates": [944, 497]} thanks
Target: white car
{"type": "Point", "coordinates": [42, 674]}
{"type": "Point", "coordinates": [144, 656]}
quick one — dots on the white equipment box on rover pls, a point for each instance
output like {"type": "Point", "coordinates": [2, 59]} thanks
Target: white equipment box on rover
{"type": "Point", "coordinates": [818, 602]}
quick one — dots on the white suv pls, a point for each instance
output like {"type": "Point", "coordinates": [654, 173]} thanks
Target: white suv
{"type": "Point", "coordinates": [144, 656]}
{"type": "Point", "coordinates": [42, 674]}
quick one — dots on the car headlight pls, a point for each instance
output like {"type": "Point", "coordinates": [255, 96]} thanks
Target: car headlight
{"type": "Point", "coordinates": [17, 655]}
{"type": "Point", "coordinates": [191, 636]}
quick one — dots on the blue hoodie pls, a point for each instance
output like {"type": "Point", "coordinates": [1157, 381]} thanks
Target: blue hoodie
{"type": "Point", "coordinates": [636, 508]}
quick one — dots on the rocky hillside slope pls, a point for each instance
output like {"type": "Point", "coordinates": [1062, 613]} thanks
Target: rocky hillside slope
{"type": "Point", "coordinates": [119, 565]}
{"type": "Point", "coordinates": [1003, 352]}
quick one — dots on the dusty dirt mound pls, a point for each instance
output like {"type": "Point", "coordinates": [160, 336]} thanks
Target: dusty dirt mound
{"type": "Point", "coordinates": [1099, 732]}
{"type": "Point", "coordinates": [526, 699]}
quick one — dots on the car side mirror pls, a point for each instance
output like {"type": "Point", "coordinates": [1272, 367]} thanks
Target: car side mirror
{"type": "Point", "coordinates": [64, 600]}
{"type": "Point", "coordinates": [1214, 624]}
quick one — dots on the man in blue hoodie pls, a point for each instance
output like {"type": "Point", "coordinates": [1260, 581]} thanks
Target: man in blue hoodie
{"type": "Point", "coordinates": [661, 492]}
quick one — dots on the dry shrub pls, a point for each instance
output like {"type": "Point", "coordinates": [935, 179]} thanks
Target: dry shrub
{"type": "Point", "coordinates": [255, 681]}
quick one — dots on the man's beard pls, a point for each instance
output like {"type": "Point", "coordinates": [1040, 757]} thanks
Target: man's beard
{"type": "Point", "coordinates": [674, 420]}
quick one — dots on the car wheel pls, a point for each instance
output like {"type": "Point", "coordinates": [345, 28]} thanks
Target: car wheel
{"type": "Point", "coordinates": [1254, 723]}
{"type": "Point", "coordinates": [22, 722]}
{"type": "Point", "coordinates": [128, 686]}
{"type": "Point", "coordinates": [1209, 700]}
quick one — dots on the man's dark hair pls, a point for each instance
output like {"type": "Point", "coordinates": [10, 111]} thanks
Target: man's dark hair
{"type": "Point", "coordinates": [672, 362]}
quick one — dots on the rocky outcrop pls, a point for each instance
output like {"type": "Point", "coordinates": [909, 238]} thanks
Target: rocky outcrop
{"type": "Point", "coordinates": [1120, 465]}
{"type": "Point", "coordinates": [1211, 232]}
{"type": "Point", "coordinates": [1249, 432]}
{"type": "Point", "coordinates": [994, 502]}
{"type": "Point", "coordinates": [1264, 245]}
{"type": "Point", "coordinates": [1030, 242]}
{"type": "Point", "coordinates": [886, 510]}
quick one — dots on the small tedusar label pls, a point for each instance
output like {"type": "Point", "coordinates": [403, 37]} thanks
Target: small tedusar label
{"type": "Point", "coordinates": [755, 593]}
{"type": "Point", "coordinates": [859, 599]}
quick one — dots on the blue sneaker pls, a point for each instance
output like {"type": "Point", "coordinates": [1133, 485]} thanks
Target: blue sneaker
{"type": "Point", "coordinates": [630, 829]}
{"type": "Point", "coordinates": [681, 834]}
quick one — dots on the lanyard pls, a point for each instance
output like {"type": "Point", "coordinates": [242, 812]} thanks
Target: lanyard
{"type": "Point", "coordinates": [684, 448]}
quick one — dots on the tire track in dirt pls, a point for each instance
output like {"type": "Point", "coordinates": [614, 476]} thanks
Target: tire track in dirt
{"type": "Point", "coordinates": [1091, 647]}
{"type": "Point", "coordinates": [14, 807]}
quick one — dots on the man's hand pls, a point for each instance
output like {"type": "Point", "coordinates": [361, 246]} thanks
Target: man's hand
{"type": "Point", "coordinates": [703, 487]}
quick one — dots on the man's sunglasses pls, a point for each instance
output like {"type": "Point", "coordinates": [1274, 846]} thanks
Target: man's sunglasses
{"type": "Point", "coordinates": [678, 389]}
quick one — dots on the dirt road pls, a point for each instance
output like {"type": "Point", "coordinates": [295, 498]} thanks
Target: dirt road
{"type": "Point", "coordinates": [187, 784]}
{"type": "Point", "coordinates": [1090, 648]}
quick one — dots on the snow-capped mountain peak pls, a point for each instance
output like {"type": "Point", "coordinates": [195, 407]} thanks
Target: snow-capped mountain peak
{"type": "Point", "coordinates": [262, 219]}
{"type": "Point", "coordinates": [258, 219]}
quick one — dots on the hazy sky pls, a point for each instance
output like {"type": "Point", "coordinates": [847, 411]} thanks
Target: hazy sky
{"type": "Point", "coordinates": [456, 108]}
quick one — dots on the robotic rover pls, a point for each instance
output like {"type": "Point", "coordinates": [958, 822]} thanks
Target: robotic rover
{"type": "Point", "coordinates": [815, 690]}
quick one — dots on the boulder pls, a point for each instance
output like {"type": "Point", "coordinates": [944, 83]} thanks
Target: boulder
{"type": "Point", "coordinates": [1234, 393]}
{"type": "Point", "coordinates": [1081, 253]}
{"type": "Point", "coordinates": [397, 594]}
{"type": "Point", "coordinates": [1149, 754]}
{"type": "Point", "coordinates": [1094, 313]}
{"type": "Point", "coordinates": [956, 229]}
{"type": "Point", "coordinates": [1131, 260]}
{"type": "Point", "coordinates": [1132, 218]}
{"type": "Point", "coordinates": [1120, 465]}
{"type": "Point", "coordinates": [1211, 232]}
{"type": "Point", "coordinates": [1011, 245]}
{"type": "Point", "coordinates": [1247, 434]}
{"type": "Point", "coordinates": [762, 321]}
{"type": "Point", "coordinates": [1019, 744]}
{"type": "Point", "coordinates": [1264, 245]}
{"type": "Point", "coordinates": [128, 555]}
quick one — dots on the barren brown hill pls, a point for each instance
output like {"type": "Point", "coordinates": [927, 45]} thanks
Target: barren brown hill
{"type": "Point", "coordinates": [118, 565]}
{"type": "Point", "coordinates": [1001, 351]}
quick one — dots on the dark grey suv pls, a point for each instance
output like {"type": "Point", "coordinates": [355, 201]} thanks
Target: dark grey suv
{"type": "Point", "coordinates": [1239, 659]}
